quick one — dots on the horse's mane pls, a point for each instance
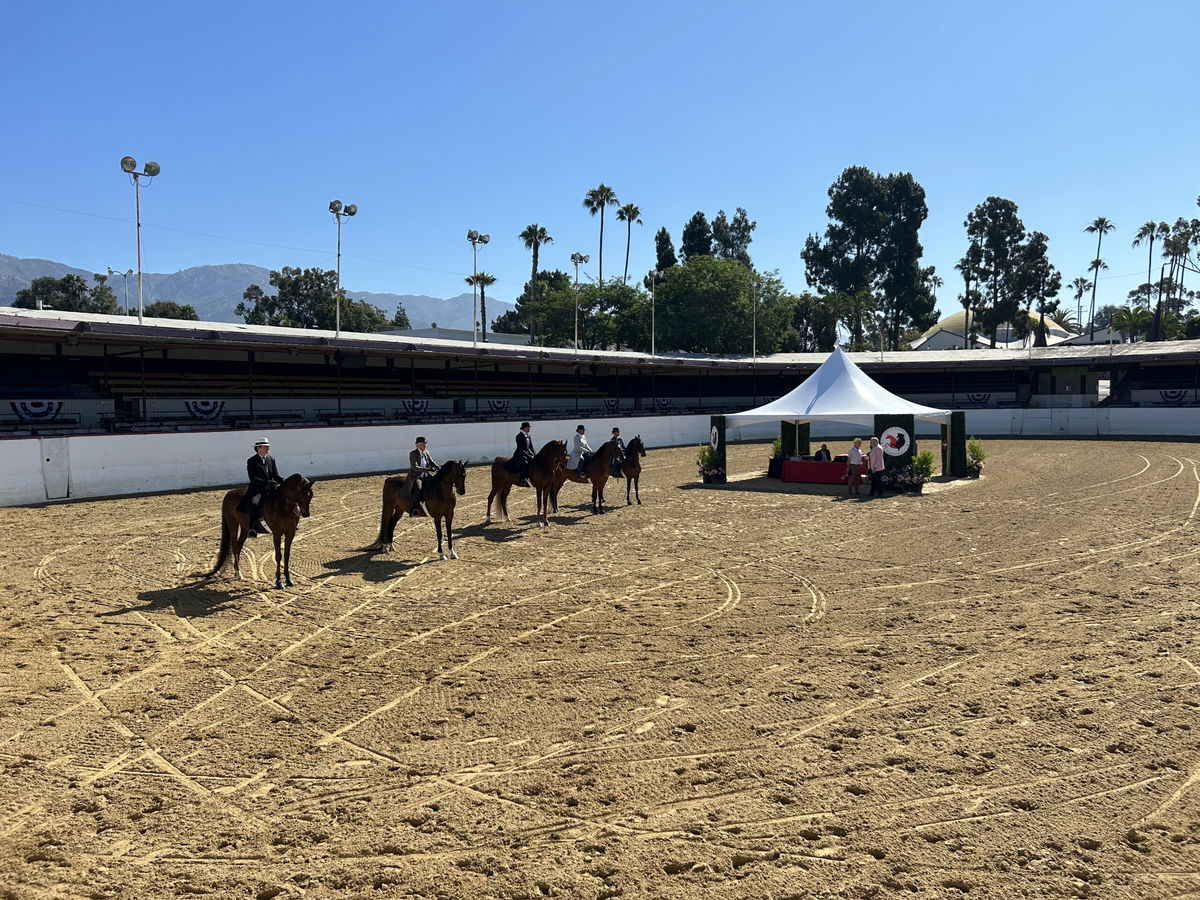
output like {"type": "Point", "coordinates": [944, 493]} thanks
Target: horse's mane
{"type": "Point", "coordinates": [548, 447]}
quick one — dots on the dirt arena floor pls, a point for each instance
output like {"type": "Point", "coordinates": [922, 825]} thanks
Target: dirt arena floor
{"type": "Point", "coordinates": [991, 690]}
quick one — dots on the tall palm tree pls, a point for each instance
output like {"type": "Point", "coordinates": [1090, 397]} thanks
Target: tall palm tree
{"type": "Point", "coordinates": [1132, 320]}
{"type": "Point", "coordinates": [1080, 286]}
{"type": "Point", "coordinates": [481, 280]}
{"type": "Point", "coordinates": [631, 215]}
{"type": "Point", "coordinates": [534, 236]}
{"type": "Point", "coordinates": [1149, 232]}
{"type": "Point", "coordinates": [594, 202]}
{"type": "Point", "coordinates": [1100, 227]}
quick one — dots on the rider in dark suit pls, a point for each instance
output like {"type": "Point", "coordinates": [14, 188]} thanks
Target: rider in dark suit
{"type": "Point", "coordinates": [264, 479]}
{"type": "Point", "coordinates": [523, 455]}
{"type": "Point", "coordinates": [420, 466]}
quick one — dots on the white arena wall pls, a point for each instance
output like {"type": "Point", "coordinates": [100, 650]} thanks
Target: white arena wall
{"type": "Point", "coordinates": [34, 470]}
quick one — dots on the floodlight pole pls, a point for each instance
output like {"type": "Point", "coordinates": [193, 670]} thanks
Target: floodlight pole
{"type": "Point", "coordinates": [578, 259]}
{"type": "Point", "coordinates": [475, 239]}
{"type": "Point", "coordinates": [125, 277]}
{"type": "Point", "coordinates": [655, 275]}
{"type": "Point", "coordinates": [129, 167]}
{"type": "Point", "coordinates": [335, 207]}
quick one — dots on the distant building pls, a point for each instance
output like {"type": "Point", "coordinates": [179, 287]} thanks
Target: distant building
{"type": "Point", "coordinates": [950, 334]}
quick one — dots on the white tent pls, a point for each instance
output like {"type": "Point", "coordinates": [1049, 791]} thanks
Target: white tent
{"type": "Point", "coordinates": [839, 391]}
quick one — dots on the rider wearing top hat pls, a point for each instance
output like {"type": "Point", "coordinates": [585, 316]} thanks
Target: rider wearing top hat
{"type": "Point", "coordinates": [580, 451]}
{"type": "Point", "coordinates": [420, 467]}
{"type": "Point", "coordinates": [523, 455]}
{"type": "Point", "coordinates": [264, 479]}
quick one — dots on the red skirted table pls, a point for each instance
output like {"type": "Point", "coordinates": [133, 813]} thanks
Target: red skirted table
{"type": "Point", "coordinates": [813, 472]}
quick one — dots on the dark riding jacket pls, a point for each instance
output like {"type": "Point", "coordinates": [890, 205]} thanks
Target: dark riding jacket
{"type": "Point", "coordinates": [414, 463]}
{"type": "Point", "coordinates": [263, 474]}
{"type": "Point", "coordinates": [524, 447]}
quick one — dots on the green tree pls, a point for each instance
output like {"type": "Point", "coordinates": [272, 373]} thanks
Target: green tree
{"type": "Point", "coordinates": [1079, 287]}
{"type": "Point", "coordinates": [697, 238]}
{"type": "Point", "coordinates": [907, 288]}
{"type": "Point", "coordinates": [630, 214]}
{"type": "Point", "coordinates": [1036, 284]}
{"type": "Point", "coordinates": [1148, 232]}
{"type": "Point", "coordinates": [71, 293]}
{"type": "Point", "coordinates": [1132, 320]}
{"type": "Point", "coordinates": [168, 309]}
{"type": "Point", "coordinates": [304, 298]}
{"type": "Point", "coordinates": [664, 250]}
{"type": "Point", "coordinates": [971, 299]}
{"type": "Point", "coordinates": [814, 324]}
{"type": "Point", "coordinates": [594, 202]}
{"type": "Point", "coordinates": [697, 305]}
{"type": "Point", "coordinates": [731, 239]}
{"type": "Point", "coordinates": [482, 280]}
{"type": "Point", "coordinates": [1000, 233]}
{"type": "Point", "coordinates": [534, 236]}
{"type": "Point", "coordinates": [546, 310]}
{"type": "Point", "coordinates": [1100, 226]}
{"type": "Point", "coordinates": [400, 319]}
{"type": "Point", "coordinates": [1063, 319]}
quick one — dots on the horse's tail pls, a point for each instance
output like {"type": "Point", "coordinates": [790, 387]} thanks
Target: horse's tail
{"type": "Point", "coordinates": [384, 518]}
{"type": "Point", "coordinates": [223, 553]}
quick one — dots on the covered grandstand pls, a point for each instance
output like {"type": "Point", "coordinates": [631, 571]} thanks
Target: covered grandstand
{"type": "Point", "coordinates": [75, 373]}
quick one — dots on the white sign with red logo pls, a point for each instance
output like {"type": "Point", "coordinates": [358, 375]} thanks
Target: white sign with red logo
{"type": "Point", "coordinates": [895, 441]}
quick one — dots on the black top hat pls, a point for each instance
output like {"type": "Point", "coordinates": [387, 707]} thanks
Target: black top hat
{"type": "Point", "coordinates": [616, 431]}
{"type": "Point", "coordinates": [420, 440]}
{"type": "Point", "coordinates": [524, 424]}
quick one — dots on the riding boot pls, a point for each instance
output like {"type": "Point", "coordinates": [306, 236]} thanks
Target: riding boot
{"type": "Point", "coordinates": [414, 505]}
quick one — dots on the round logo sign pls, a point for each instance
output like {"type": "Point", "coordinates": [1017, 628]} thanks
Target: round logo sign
{"type": "Point", "coordinates": [895, 441]}
{"type": "Point", "coordinates": [714, 437]}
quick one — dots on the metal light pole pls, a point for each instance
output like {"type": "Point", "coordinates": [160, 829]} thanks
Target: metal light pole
{"type": "Point", "coordinates": [579, 259]}
{"type": "Point", "coordinates": [335, 207]}
{"type": "Point", "coordinates": [655, 275]}
{"type": "Point", "coordinates": [129, 166]}
{"type": "Point", "coordinates": [125, 275]}
{"type": "Point", "coordinates": [476, 239]}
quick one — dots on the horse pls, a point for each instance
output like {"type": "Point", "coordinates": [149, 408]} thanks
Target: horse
{"type": "Point", "coordinates": [598, 468]}
{"type": "Point", "coordinates": [439, 496]}
{"type": "Point", "coordinates": [548, 461]}
{"type": "Point", "coordinates": [281, 512]}
{"type": "Point", "coordinates": [631, 468]}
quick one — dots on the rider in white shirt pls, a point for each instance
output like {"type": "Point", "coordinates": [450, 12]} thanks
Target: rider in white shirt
{"type": "Point", "coordinates": [580, 451]}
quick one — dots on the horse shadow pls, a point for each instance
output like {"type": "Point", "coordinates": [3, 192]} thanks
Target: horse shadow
{"type": "Point", "coordinates": [498, 532]}
{"type": "Point", "coordinates": [187, 600]}
{"type": "Point", "coordinates": [369, 565]}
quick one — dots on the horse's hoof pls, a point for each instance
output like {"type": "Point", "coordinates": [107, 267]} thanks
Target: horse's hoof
{"type": "Point", "coordinates": [442, 555]}
{"type": "Point", "coordinates": [290, 583]}
{"type": "Point", "coordinates": [279, 585]}
{"type": "Point", "coordinates": [453, 555]}
{"type": "Point", "coordinates": [238, 576]}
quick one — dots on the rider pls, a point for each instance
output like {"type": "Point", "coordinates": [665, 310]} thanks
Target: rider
{"type": "Point", "coordinates": [420, 467]}
{"type": "Point", "coordinates": [580, 451]}
{"type": "Point", "coordinates": [264, 479]}
{"type": "Point", "coordinates": [523, 455]}
{"type": "Point", "coordinates": [616, 439]}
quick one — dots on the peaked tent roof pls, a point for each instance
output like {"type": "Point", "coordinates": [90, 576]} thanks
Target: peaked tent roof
{"type": "Point", "coordinates": [839, 391]}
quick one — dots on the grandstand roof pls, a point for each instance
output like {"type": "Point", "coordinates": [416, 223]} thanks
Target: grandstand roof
{"type": "Point", "coordinates": [54, 325]}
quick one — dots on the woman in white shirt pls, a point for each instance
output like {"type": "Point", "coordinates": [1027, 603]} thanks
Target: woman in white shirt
{"type": "Point", "coordinates": [579, 448]}
{"type": "Point", "coordinates": [854, 458]}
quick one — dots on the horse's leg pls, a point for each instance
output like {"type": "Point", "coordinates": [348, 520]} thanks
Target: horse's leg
{"type": "Point", "coordinates": [450, 533]}
{"type": "Point", "coordinates": [437, 524]}
{"type": "Point", "coordinates": [278, 559]}
{"type": "Point", "coordinates": [636, 490]}
{"type": "Point", "coordinates": [628, 485]}
{"type": "Point", "coordinates": [495, 490]}
{"type": "Point", "coordinates": [287, 556]}
{"type": "Point", "coordinates": [504, 491]}
{"type": "Point", "coordinates": [239, 538]}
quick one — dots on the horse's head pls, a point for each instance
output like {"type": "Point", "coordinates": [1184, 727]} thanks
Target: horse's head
{"type": "Point", "coordinates": [458, 476]}
{"type": "Point", "coordinates": [636, 447]}
{"type": "Point", "coordinates": [298, 490]}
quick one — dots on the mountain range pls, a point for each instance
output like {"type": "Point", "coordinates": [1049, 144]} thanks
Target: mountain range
{"type": "Point", "coordinates": [215, 291]}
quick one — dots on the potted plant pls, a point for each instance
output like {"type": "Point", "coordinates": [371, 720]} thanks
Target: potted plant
{"type": "Point", "coordinates": [921, 470]}
{"type": "Point", "coordinates": [975, 457]}
{"type": "Point", "coordinates": [706, 465]}
{"type": "Point", "coordinates": [775, 463]}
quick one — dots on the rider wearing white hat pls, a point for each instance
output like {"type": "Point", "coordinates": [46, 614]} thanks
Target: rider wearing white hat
{"type": "Point", "coordinates": [264, 478]}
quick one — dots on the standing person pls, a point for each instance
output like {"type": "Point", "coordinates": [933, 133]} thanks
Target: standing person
{"type": "Point", "coordinates": [420, 467]}
{"type": "Point", "coordinates": [580, 451]}
{"type": "Point", "coordinates": [875, 467]}
{"type": "Point", "coordinates": [854, 458]}
{"type": "Point", "coordinates": [524, 454]}
{"type": "Point", "coordinates": [822, 455]}
{"type": "Point", "coordinates": [264, 479]}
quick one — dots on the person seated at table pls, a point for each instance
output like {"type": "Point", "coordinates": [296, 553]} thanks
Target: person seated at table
{"type": "Point", "coordinates": [822, 455]}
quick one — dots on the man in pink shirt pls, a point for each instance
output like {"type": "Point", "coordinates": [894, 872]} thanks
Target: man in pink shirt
{"type": "Point", "coordinates": [875, 467]}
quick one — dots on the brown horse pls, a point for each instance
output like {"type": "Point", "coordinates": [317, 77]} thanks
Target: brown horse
{"type": "Point", "coordinates": [598, 468]}
{"type": "Point", "coordinates": [544, 468]}
{"type": "Point", "coordinates": [440, 495]}
{"type": "Point", "coordinates": [632, 468]}
{"type": "Point", "coordinates": [282, 513]}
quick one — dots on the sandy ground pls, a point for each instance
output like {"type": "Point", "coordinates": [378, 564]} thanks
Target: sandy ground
{"type": "Point", "coordinates": [730, 692]}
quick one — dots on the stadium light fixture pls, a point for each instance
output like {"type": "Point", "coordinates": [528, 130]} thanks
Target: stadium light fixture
{"type": "Point", "coordinates": [339, 213]}
{"type": "Point", "coordinates": [129, 167]}
{"type": "Point", "coordinates": [125, 275]}
{"type": "Point", "coordinates": [476, 239]}
{"type": "Point", "coordinates": [578, 259]}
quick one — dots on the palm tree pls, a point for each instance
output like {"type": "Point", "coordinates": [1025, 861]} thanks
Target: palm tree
{"type": "Point", "coordinates": [594, 202]}
{"type": "Point", "coordinates": [1133, 320]}
{"type": "Point", "coordinates": [481, 280]}
{"type": "Point", "coordinates": [1063, 319]}
{"type": "Point", "coordinates": [1150, 231]}
{"type": "Point", "coordinates": [1098, 265]}
{"type": "Point", "coordinates": [1099, 227]}
{"type": "Point", "coordinates": [534, 236]}
{"type": "Point", "coordinates": [630, 214]}
{"type": "Point", "coordinates": [1080, 286]}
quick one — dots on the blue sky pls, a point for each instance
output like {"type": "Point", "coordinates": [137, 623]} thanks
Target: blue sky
{"type": "Point", "coordinates": [437, 118]}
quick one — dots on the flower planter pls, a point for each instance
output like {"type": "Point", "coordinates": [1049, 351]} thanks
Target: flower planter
{"type": "Point", "coordinates": [707, 479]}
{"type": "Point", "coordinates": [915, 488]}
{"type": "Point", "coordinates": [775, 467]}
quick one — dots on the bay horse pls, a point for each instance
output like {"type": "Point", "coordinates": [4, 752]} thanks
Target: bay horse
{"type": "Point", "coordinates": [440, 495]}
{"type": "Point", "coordinates": [281, 512]}
{"type": "Point", "coordinates": [543, 469]}
{"type": "Point", "coordinates": [631, 468]}
{"type": "Point", "coordinates": [598, 468]}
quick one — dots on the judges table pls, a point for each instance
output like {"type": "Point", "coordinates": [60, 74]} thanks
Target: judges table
{"type": "Point", "coordinates": [813, 472]}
